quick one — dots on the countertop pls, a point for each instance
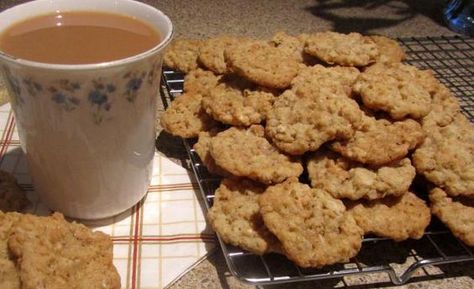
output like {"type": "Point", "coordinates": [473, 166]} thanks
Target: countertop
{"type": "Point", "coordinates": [206, 18]}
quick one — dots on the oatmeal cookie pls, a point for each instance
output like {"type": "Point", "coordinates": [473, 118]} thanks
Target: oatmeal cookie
{"type": "Point", "coordinates": [52, 253]}
{"type": "Point", "coordinates": [346, 179]}
{"type": "Point", "coordinates": [247, 153]}
{"type": "Point", "coordinates": [12, 197]}
{"type": "Point", "coordinates": [291, 45]}
{"type": "Point", "coordinates": [262, 64]}
{"type": "Point", "coordinates": [185, 117]}
{"type": "Point", "coordinates": [456, 214]}
{"type": "Point", "coordinates": [379, 142]}
{"type": "Point", "coordinates": [202, 148]}
{"type": "Point", "coordinates": [182, 55]}
{"type": "Point", "coordinates": [390, 50]}
{"type": "Point", "coordinates": [9, 278]}
{"type": "Point", "coordinates": [211, 54]}
{"type": "Point", "coordinates": [398, 218]}
{"type": "Point", "coordinates": [236, 105]}
{"type": "Point", "coordinates": [446, 157]}
{"type": "Point", "coordinates": [395, 90]}
{"type": "Point", "coordinates": [235, 215]}
{"type": "Point", "coordinates": [351, 49]}
{"type": "Point", "coordinates": [313, 227]}
{"type": "Point", "coordinates": [318, 77]}
{"type": "Point", "coordinates": [445, 107]}
{"type": "Point", "coordinates": [297, 124]}
{"type": "Point", "coordinates": [200, 81]}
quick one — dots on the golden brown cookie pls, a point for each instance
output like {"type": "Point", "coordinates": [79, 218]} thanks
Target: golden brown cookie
{"type": "Point", "coordinates": [445, 107]}
{"type": "Point", "coordinates": [182, 55]}
{"type": "Point", "coordinates": [9, 278]}
{"type": "Point", "coordinates": [52, 253]}
{"type": "Point", "coordinates": [12, 197]}
{"type": "Point", "coordinates": [351, 49]}
{"type": "Point", "coordinates": [262, 64]}
{"type": "Point", "coordinates": [185, 116]}
{"type": "Point", "coordinates": [291, 45]}
{"type": "Point", "coordinates": [395, 90]}
{"type": "Point", "coordinates": [390, 50]}
{"type": "Point", "coordinates": [211, 54]}
{"type": "Point", "coordinates": [235, 216]}
{"type": "Point", "coordinates": [318, 77]}
{"type": "Point", "coordinates": [398, 218]}
{"type": "Point", "coordinates": [423, 77]}
{"type": "Point", "coordinates": [247, 153]}
{"type": "Point", "coordinates": [456, 214]}
{"type": "Point", "coordinates": [346, 179]}
{"type": "Point", "coordinates": [200, 81]}
{"type": "Point", "coordinates": [300, 123]}
{"type": "Point", "coordinates": [203, 147]}
{"type": "Point", "coordinates": [446, 157]}
{"type": "Point", "coordinates": [313, 227]}
{"type": "Point", "coordinates": [237, 105]}
{"type": "Point", "coordinates": [379, 142]}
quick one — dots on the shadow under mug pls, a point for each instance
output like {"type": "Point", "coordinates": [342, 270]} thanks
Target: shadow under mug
{"type": "Point", "coordinates": [87, 130]}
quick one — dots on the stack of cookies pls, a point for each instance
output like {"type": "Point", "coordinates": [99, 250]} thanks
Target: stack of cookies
{"type": "Point", "coordinates": [49, 252]}
{"type": "Point", "coordinates": [318, 138]}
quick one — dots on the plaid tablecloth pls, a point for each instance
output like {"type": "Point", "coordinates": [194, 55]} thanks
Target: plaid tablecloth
{"type": "Point", "coordinates": [157, 240]}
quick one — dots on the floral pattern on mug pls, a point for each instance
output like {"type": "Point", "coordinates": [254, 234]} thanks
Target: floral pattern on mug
{"type": "Point", "coordinates": [63, 94]}
{"type": "Point", "coordinates": [99, 99]}
{"type": "Point", "coordinates": [32, 87]}
{"type": "Point", "coordinates": [134, 83]}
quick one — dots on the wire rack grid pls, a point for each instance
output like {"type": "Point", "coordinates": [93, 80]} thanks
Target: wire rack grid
{"type": "Point", "coordinates": [451, 59]}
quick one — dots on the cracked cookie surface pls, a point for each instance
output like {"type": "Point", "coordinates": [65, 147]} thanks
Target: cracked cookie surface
{"type": "Point", "coordinates": [297, 124]}
{"type": "Point", "coordinates": [235, 215]}
{"type": "Point", "coordinates": [446, 157]}
{"type": "Point", "coordinates": [346, 179]}
{"type": "Point", "coordinates": [398, 218]}
{"type": "Point", "coordinates": [247, 153]}
{"type": "Point", "coordinates": [380, 141]}
{"type": "Point", "coordinates": [313, 227]}
{"type": "Point", "coordinates": [351, 49]}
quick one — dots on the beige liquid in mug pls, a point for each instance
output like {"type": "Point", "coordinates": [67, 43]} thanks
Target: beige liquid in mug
{"type": "Point", "coordinates": [80, 37]}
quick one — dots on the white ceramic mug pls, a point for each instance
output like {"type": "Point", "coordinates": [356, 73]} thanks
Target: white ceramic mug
{"type": "Point", "coordinates": [87, 130]}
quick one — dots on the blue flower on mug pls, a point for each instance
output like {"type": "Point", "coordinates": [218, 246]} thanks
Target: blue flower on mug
{"type": "Point", "coordinates": [32, 86]}
{"type": "Point", "coordinates": [99, 99]}
{"type": "Point", "coordinates": [67, 102]}
{"type": "Point", "coordinates": [62, 93]}
{"type": "Point", "coordinates": [133, 85]}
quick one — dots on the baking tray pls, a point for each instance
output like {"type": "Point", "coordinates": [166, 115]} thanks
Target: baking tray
{"type": "Point", "coordinates": [451, 58]}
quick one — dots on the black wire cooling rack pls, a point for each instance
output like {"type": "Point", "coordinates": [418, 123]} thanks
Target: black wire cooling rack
{"type": "Point", "coordinates": [451, 58]}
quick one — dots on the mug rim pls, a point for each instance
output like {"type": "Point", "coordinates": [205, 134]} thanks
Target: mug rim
{"type": "Point", "coordinates": [92, 66]}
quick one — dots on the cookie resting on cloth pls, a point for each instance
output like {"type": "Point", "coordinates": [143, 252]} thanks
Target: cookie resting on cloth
{"type": "Point", "coordinates": [55, 254]}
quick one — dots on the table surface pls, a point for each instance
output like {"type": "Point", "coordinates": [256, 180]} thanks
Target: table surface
{"type": "Point", "coordinates": [206, 18]}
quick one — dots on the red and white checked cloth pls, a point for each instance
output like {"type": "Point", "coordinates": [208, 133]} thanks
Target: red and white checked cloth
{"type": "Point", "coordinates": [157, 240]}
